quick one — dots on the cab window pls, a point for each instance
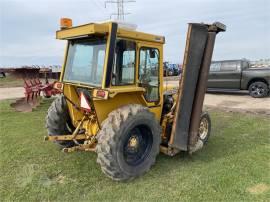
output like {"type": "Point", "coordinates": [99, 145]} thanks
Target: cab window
{"type": "Point", "coordinates": [149, 73]}
{"type": "Point", "coordinates": [229, 66]}
{"type": "Point", "coordinates": [124, 63]}
{"type": "Point", "coordinates": [85, 61]}
{"type": "Point", "coordinates": [215, 67]}
{"type": "Point", "coordinates": [245, 65]}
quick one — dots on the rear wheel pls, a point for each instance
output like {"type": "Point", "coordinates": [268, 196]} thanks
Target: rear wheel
{"type": "Point", "coordinates": [128, 142]}
{"type": "Point", "coordinates": [258, 89]}
{"type": "Point", "coordinates": [58, 121]}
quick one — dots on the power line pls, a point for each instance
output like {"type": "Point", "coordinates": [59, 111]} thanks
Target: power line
{"type": "Point", "coordinates": [120, 8]}
{"type": "Point", "coordinates": [100, 7]}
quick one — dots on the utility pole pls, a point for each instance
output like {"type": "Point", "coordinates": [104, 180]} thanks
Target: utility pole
{"type": "Point", "coordinates": [120, 8]}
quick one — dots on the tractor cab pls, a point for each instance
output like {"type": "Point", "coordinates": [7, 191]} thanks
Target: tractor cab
{"type": "Point", "coordinates": [108, 60]}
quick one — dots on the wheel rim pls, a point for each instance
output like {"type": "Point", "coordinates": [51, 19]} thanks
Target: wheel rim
{"type": "Point", "coordinates": [137, 145]}
{"type": "Point", "coordinates": [203, 129]}
{"type": "Point", "coordinates": [257, 90]}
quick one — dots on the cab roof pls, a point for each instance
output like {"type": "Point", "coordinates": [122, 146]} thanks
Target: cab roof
{"type": "Point", "coordinates": [103, 29]}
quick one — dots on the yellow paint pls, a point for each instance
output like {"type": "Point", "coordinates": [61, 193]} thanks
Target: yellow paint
{"type": "Point", "coordinates": [82, 30]}
{"type": "Point", "coordinates": [116, 96]}
{"type": "Point", "coordinates": [104, 29]}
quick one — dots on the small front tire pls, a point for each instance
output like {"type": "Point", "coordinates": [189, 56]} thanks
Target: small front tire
{"type": "Point", "coordinates": [205, 127]}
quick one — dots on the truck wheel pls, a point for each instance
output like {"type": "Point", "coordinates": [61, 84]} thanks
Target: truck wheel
{"type": "Point", "coordinates": [205, 127]}
{"type": "Point", "coordinates": [170, 73]}
{"type": "Point", "coordinates": [58, 121]}
{"type": "Point", "coordinates": [128, 142]}
{"type": "Point", "coordinates": [258, 89]}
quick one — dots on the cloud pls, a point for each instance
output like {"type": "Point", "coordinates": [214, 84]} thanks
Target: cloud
{"type": "Point", "coordinates": [27, 29]}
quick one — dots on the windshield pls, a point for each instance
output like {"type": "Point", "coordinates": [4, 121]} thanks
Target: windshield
{"type": "Point", "coordinates": [85, 61]}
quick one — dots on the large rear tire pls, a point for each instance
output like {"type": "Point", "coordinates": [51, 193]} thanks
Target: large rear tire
{"type": "Point", "coordinates": [58, 121]}
{"type": "Point", "coordinates": [128, 142]}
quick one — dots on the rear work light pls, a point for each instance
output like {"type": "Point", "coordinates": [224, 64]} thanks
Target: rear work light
{"type": "Point", "coordinates": [101, 93]}
{"type": "Point", "coordinates": [58, 85]}
{"type": "Point", "coordinates": [85, 106]}
{"type": "Point", "coordinates": [98, 93]}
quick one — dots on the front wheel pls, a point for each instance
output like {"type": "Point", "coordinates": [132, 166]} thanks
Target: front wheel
{"type": "Point", "coordinates": [258, 89]}
{"type": "Point", "coordinates": [128, 142]}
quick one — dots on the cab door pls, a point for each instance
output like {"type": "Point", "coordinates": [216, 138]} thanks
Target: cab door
{"type": "Point", "coordinates": [149, 75]}
{"type": "Point", "coordinates": [225, 75]}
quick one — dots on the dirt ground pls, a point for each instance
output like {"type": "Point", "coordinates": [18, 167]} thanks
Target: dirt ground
{"type": "Point", "coordinates": [10, 93]}
{"type": "Point", "coordinates": [237, 102]}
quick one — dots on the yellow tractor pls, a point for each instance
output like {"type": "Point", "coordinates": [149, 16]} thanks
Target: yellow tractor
{"type": "Point", "coordinates": [116, 103]}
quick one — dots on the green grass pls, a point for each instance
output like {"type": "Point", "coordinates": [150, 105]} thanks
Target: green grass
{"type": "Point", "coordinates": [11, 81]}
{"type": "Point", "coordinates": [234, 162]}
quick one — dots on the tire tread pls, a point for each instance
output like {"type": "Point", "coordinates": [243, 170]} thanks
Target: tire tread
{"type": "Point", "coordinates": [107, 142]}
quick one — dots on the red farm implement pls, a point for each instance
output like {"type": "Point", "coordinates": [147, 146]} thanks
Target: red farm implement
{"type": "Point", "coordinates": [33, 89]}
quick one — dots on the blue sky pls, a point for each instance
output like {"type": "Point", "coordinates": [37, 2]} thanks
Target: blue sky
{"type": "Point", "coordinates": [27, 27]}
